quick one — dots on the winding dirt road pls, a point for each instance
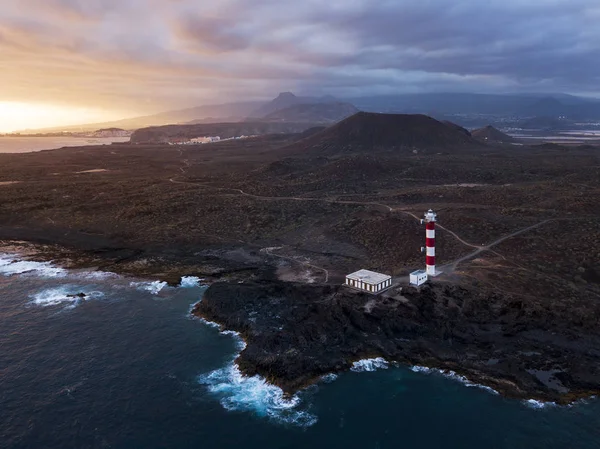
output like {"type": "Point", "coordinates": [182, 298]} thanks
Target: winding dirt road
{"type": "Point", "coordinates": [449, 267]}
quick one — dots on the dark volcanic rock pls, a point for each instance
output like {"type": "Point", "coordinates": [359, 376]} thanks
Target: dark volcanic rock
{"type": "Point", "coordinates": [456, 127]}
{"type": "Point", "coordinates": [78, 295]}
{"type": "Point", "coordinates": [370, 133]}
{"type": "Point", "coordinates": [296, 333]}
{"type": "Point", "coordinates": [491, 135]}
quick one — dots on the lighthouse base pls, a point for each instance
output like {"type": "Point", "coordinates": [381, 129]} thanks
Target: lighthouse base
{"type": "Point", "coordinates": [432, 272]}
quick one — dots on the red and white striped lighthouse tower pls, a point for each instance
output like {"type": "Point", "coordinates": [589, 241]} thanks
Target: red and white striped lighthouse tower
{"type": "Point", "coordinates": [430, 219]}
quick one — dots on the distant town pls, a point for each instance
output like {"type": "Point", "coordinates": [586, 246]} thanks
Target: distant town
{"type": "Point", "coordinates": [203, 140]}
{"type": "Point", "coordinates": [106, 132]}
{"type": "Point", "coordinates": [117, 132]}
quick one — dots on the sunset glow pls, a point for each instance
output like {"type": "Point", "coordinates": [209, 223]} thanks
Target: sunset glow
{"type": "Point", "coordinates": [181, 54]}
{"type": "Point", "coordinates": [15, 116]}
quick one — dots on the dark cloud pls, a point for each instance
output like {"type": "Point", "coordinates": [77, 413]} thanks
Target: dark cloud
{"type": "Point", "coordinates": [211, 34]}
{"type": "Point", "coordinates": [167, 53]}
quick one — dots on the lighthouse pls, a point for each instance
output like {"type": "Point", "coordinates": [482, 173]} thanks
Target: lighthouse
{"type": "Point", "coordinates": [430, 219]}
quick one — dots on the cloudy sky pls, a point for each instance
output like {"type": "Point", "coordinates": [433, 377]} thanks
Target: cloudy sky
{"type": "Point", "coordinates": [116, 58]}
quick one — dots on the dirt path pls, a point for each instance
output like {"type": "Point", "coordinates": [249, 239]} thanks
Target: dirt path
{"type": "Point", "coordinates": [449, 267]}
{"type": "Point", "coordinates": [452, 266]}
{"type": "Point", "coordinates": [269, 251]}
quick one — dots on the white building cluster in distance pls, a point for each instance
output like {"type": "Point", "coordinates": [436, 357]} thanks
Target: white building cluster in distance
{"type": "Point", "coordinates": [204, 139]}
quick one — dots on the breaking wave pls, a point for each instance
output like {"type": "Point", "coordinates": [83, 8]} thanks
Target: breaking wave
{"type": "Point", "coordinates": [190, 282]}
{"type": "Point", "coordinates": [328, 378]}
{"type": "Point", "coordinates": [538, 405]}
{"type": "Point", "coordinates": [152, 287]}
{"type": "Point", "coordinates": [452, 375]}
{"type": "Point", "coordinates": [64, 294]}
{"type": "Point", "coordinates": [10, 266]}
{"type": "Point", "coordinates": [254, 394]}
{"type": "Point", "coordinates": [202, 320]}
{"type": "Point", "coordinates": [369, 365]}
{"type": "Point", "coordinates": [99, 275]}
{"type": "Point", "coordinates": [240, 343]}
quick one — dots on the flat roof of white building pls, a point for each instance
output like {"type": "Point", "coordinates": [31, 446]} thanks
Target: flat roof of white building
{"type": "Point", "coordinates": [418, 272]}
{"type": "Point", "coordinates": [370, 277]}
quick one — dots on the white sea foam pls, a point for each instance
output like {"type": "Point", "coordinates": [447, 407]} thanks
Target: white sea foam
{"type": "Point", "coordinates": [190, 282]}
{"type": "Point", "coordinates": [369, 365]}
{"type": "Point", "coordinates": [328, 378]}
{"type": "Point", "coordinates": [202, 320]}
{"type": "Point", "coordinates": [192, 308]}
{"type": "Point", "coordinates": [254, 394]}
{"type": "Point", "coordinates": [152, 287]}
{"type": "Point", "coordinates": [60, 295]}
{"type": "Point", "coordinates": [98, 275]}
{"type": "Point", "coordinates": [241, 344]}
{"type": "Point", "coordinates": [452, 375]}
{"type": "Point", "coordinates": [10, 266]}
{"type": "Point", "coordinates": [538, 405]}
{"type": "Point", "coordinates": [209, 323]}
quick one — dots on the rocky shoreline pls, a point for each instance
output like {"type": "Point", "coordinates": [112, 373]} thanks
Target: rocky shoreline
{"type": "Point", "coordinates": [297, 333]}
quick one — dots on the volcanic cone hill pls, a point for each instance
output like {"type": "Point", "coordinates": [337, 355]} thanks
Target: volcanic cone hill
{"type": "Point", "coordinates": [366, 146]}
{"type": "Point", "coordinates": [491, 134]}
{"type": "Point", "coordinates": [457, 127]}
{"type": "Point", "coordinates": [366, 132]}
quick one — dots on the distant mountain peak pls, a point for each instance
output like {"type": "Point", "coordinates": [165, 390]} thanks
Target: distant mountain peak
{"type": "Point", "coordinates": [286, 95]}
{"type": "Point", "coordinates": [285, 100]}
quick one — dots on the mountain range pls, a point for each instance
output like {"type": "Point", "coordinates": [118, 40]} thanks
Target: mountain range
{"type": "Point", "coordinates": [327, 109]}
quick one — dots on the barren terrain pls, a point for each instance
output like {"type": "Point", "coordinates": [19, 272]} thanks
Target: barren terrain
{"type": "Point", "coordinates": [518, 240]}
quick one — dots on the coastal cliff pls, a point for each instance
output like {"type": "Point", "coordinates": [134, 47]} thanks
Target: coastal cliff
{"type": "Point", "coordinates": [296, 333]}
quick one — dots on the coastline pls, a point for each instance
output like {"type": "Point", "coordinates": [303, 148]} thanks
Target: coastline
{"type": "Point", "coordinates": [420, 354]}
{"type": "Point", "coordinates": [34, 144]}
{"type": "Point", "coordinates": [376, 363]}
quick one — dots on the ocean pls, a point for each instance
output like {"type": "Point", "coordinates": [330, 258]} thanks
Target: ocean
{"type": "Point", "coordinates": [128, 367]}
{"type": "Point", "coordinates": [31, 144]}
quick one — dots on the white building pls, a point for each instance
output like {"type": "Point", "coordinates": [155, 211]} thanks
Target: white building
{"type": "Point", "coordinates": [418, 277]}
{"type": "Point", "coordinates": [209, 139]}
{"type": "Point", "coordinates": [369, 281]}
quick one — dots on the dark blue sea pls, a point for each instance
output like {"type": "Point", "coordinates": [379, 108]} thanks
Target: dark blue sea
{"type": "Point", "coordinates": [127, 367]}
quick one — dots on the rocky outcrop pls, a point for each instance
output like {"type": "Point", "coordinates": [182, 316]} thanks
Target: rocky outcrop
{"type": "Point", "coordinates": [297, 333]}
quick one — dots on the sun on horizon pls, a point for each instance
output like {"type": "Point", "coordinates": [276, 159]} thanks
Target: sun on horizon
{"type": "Point", "coordinates": [19, 116]}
